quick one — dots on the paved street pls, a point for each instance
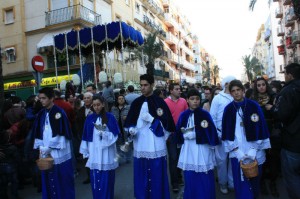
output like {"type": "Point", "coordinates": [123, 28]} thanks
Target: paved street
{"type": "Point", "coordinates": [124, 187]}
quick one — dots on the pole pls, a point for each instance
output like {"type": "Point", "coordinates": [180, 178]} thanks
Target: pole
{"type": "Point", "coordinates": [80, 59]}
{"type": "Point", "coordinates": [55, 62]}
{"type": "Point", "coordinates": [122, 52]}
{"type": "Point", "coordinates": [67, 53]}
{"type": "Point", "coordinates": [93, 47]}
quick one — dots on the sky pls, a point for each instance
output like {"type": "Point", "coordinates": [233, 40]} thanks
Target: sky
{"type": "Point", "coordinates": [226, 29]}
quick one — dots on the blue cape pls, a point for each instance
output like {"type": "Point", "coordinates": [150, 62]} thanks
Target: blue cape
{"type": "Point", "coordinates": [154, 102]}
{"type": "Point", "coordinates": [255, 130]}
{"type": "Point", "coordinates": [206, 135]}
{"type": "Point", "coordinates": [58, 121]}
{"type": "Point", "coordinates": [88, 129]}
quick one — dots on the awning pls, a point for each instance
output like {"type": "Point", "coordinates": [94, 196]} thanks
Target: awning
{"type": "Point", "coordinates": [47, 39]}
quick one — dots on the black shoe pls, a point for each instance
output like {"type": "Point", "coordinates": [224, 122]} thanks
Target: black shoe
{"type": "Point", "coordinates": [86, 181]}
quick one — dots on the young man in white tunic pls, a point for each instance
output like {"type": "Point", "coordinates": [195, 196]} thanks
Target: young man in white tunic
{"type": "Point", "coordinates": [52, 137]}
{"type": "Point", "coordinates": [245, 135]}
{"type": "Point", "coordinates": [196, 131]}
{"type": "Point", "coordinates": [98, 144]}
{"type": "Point", "coordinates": [149, 122]}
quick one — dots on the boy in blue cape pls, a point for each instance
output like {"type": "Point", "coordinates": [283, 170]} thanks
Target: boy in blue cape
{"type": "Point", "coordinates": [196, 131]}
{"type": "Point", "coordinates": [149, 122]}
{"type": "Point", "coordinates": [245, 135]}
{"type": "Point", "coordinates": [53, 137]}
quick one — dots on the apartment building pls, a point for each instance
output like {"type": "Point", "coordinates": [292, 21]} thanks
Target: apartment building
{"type": "Point", "coordinates": [27, 28]}
{"type": "Point", "coordinates": [288, 30]}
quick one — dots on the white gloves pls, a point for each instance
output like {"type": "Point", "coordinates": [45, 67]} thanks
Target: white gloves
{"type": "Point", "coordinates": [251, 154]}
{"type": "Point", "coordinates": [86, 155]}
{"type": "Point", "coordinates": [239, 154]}
{"type": "Point", "coordinates": [45, 151]}
{"type": "Point", "coordinates": [132, 131]}
{"type": "Point", "coordinates": [189, 135]}
{"type": "Point", "coordinates": [147, 117]}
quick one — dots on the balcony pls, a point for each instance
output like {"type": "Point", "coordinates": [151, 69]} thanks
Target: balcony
{"type": "Point", "coordinates": [152, 26]}
{"type": "Point", "coordinates": [281, 50]}
{"type": "Point", "coordinates": [188, 65]}
{"type": "Point", "coordinates": [187, 50]}
{"type": "Point", "coordinates": [267, 34]}
{"type": "Point", "coordinates": [286, 2]}
{"type": "Point", "coordinates": [275, 0]}
{"type": "Point", "coordinates": [171, 39]}
{"type": "Point", "coordinates": [153, 7]}
{"type": "Point", "coordinates": [72, 13]}
{"type": "Point", "coordinates": [288, 21]}
{"type": "Point", "coordinates": [166, 2]}
{"type": "Point", "coordinates": [170, 21]}
{"type": "Point", "coordinates": [292, 14]}
{"type": "Point", "coordinates": [279, 13]}
{"type": "Point", "coordinates": [161, 73]}
{"type": "Point", "coordinates": [296, 37]}
{"type": "Point", "coordinates": [172, 56]}
{"type": "Point", "coordinates": [288, 42]}
{"type": "Point", "coordinates": [280, 31]}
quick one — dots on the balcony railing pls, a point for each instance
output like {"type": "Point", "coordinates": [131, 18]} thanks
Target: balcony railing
{"type": "Point", "coordinates": [288, 42]}
{"type": "Point", "coordinates": [187, 50]}
{"type": "Point", "coordinates": [172, 56]}
{"type": "Point", "coordinates": [292, 14]}
{"type": "Point", "coordinates": [279, 13]}
{"type": "Point", "coordinates": [166, 2]}
{"type": "Point", "coordinates": [288, 21]}
{"type": "Point", "coordinates": [170, 21]}
{"type": "Point", "coordinates": [281, 50]}
{"type": "Point", "coordinates": [153, 7]}
{"type": "Point", "coordinates": [188, 65]}
{"type": "Point", "coordinates": [72, 13]}
{"type": "Point", "coordinates": [296, 37]}
{"type": "Point", "coordinates": [161, 73]}
{"type": "Point", "coordinates": [280, 31]}
{"type": "Point", "coordinates": [152, 25]}
{"type": "Point", "coordinates": [171, 39]}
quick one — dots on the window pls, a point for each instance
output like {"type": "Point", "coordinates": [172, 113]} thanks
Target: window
{"type": "Point", "coordinates": [127, 2]}
{"type": "Point", "coordinates": [10, 54]}
{"type": "Point", "coordinates": [9, 16]}
{"type": "Point", "coordinates": [137, 7]}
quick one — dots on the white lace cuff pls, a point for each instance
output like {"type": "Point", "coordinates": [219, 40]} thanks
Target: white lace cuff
{"type": "Point", "coordinates": [58, 142]}
{"type": "Point", "coordinates": [38, 143]}
{"type": "Point", "coordinates": [261, 144]}
{"type": "Point", "coordinates": [230, 145]}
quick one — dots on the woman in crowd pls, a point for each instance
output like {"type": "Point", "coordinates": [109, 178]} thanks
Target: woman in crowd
{"type": "Point", "coordinates": [264, 95]}
{"type": "Point", "coordinates": [214, 92]}
{"type": "Point", "coordinates": [98, 145]}
{"type": "Point", "coordinates": [120, 111]}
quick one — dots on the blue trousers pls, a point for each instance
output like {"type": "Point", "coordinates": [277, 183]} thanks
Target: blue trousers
{"type": "Point", "coordinates": [290, 167]}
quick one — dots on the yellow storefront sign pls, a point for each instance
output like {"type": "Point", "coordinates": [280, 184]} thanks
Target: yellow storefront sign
{"type": "Point", "coordinates": [48, 81]}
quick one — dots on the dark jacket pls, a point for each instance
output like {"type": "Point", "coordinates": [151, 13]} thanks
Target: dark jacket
{"type": "Point", "coordinates": [287, 110]}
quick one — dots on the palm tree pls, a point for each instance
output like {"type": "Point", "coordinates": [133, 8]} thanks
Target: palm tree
{"type": "Point", "coordinates": [151, 49]}
{"type": "Point", "coordinates": [205, 72]}
{"type": "Point", "coordinates": [215, 73]}
{"type": "Point", "coordinates": [296, 4]}
{"type": "Point", "coordinates": [248, 67]}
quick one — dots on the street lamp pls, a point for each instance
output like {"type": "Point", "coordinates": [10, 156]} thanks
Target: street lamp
{"type": "Point", "coordinates": [178, 49]}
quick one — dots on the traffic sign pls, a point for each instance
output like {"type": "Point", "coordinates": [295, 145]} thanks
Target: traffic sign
{"type": "Point", "coordinates": [37, 63]}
